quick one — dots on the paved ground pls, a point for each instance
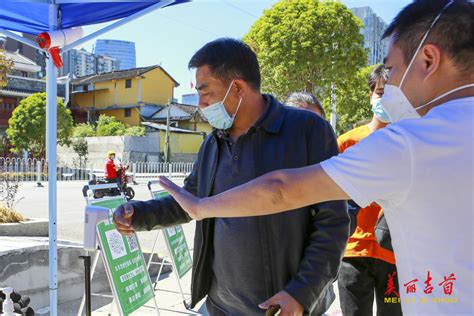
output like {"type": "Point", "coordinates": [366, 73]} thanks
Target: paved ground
{"type": "Point", "coordinates": [168, 298]}
{"type": "Point", "coordinates": [71, 203]}
{"type": "Point", "coordinates": [70, 227]}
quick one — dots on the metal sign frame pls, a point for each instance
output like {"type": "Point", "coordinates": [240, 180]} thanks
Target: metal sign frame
{"type": "Point", "coordinates": [161, 233]}
{"type": "Point", "coordinates": [89, 202]}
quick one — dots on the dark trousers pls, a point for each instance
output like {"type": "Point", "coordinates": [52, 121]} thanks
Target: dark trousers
{"type": "Point", "coordinates": [359, 278]}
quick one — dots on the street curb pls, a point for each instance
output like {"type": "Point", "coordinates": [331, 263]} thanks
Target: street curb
{"type": "Point", "coordinates": [24, 267]}
{"type": "Point", "coordinates": [32, 227]}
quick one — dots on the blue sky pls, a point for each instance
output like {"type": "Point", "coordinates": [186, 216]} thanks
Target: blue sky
{"type": "Point", "coordinates": [170, 36]}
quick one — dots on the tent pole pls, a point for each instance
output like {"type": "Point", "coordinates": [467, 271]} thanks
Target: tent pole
{"type": "Point", "coordinates": [22, 39]}
{"type": "Point", "coordinates": [117, 24]}
{"type": "Point", "coordinates": [51, 141]}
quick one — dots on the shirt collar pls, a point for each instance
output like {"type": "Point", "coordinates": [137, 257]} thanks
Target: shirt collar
{"type": "Point", "coordinates": [272, 120]}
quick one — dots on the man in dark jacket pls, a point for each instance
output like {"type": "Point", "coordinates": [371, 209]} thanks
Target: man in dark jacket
{"type": "Point", "coordinates": [240, 262]}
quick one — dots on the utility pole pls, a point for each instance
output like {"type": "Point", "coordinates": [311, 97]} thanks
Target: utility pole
{"type": "Point", "coordinates": [167, 137]}
{"type": "Point", "coordinates": [333, 118]}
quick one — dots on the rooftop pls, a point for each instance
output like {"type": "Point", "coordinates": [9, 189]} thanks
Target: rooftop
{"type": "Point", "coordinates": [119, 74]}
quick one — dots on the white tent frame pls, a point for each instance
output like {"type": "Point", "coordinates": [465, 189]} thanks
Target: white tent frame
{"type": "Point", "coordinates": [51, 118]}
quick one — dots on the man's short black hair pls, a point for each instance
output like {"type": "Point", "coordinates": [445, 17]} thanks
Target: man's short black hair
{"type": "Point", "coordinates": [229, 59]}
{"type": "Point", "coordinates": [453, 33]}
{"type": "Point", "coordinates": [379, 72]}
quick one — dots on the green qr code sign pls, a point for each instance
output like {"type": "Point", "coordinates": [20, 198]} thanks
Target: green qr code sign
{"type": "Point", "coordinates": [123, 259]}
{"type": "Point", "coordinates": [111, 204]}
{"type": "Point", "coordinates": [177, 244]}
{"type": "Point", "coordinates": [125, 267]}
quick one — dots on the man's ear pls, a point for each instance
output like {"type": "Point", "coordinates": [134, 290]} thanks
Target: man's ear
{"type": "Point", "coordinates": [431, 56]}
{"type": "Point", "coordinates": [241, 86]}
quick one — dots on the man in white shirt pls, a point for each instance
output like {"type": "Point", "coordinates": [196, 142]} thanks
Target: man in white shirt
{"type": "Point", "coordinates": [420, 170]}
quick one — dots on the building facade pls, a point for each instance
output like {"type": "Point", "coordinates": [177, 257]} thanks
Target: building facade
{"type": "Point", "coordinates": [80, 63]}
{"type": "Point", "coordinates": [106, 63]}
{"type": "Point", "coordinates": [123, 51]}
{"type": "Point", "coordinates": [373, 30]}
{"type": "Point", "coordinates": [124, 94]}
{"type": "Point", "coordinates": [13, 46]}
{"type": "Point", "coordinates": [190, 98]}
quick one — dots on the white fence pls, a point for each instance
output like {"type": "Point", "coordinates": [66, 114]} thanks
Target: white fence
{"type": "Point", "coordinates": [37, 170]}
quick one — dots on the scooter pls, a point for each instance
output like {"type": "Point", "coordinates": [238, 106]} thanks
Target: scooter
{"type": "Point", "coordinates": [122, 186]}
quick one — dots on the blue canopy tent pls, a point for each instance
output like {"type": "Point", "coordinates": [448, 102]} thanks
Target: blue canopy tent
{"type": "Point", "coordinates": [37, 16]}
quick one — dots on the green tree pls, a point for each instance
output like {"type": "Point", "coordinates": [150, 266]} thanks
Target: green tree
{"type": "Point", "coordinates": [83, 130]}
{"type": "Point", "coordinates": [353, 102]}
{"type": "Point", "coordinates": [307, 45]}
{"type": "Point", "coordinates": [27, 126]}
{"type": "Point", "coordinates": [109, 126]}
{"type": "Point", "coordinates": [135, 131]}
{"type": "Point", "coordinates": [81, 148]}
{"type": "Point", "coordinates": [6, 66]}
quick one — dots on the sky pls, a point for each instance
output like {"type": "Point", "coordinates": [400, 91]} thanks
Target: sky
{"type": "Point", "coordinates": [170, 36]}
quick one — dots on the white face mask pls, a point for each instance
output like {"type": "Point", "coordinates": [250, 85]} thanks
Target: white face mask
{"type": "Point", "coordinates": [394, 101]}
{"type": "Point", "coordinates": [217, 115]}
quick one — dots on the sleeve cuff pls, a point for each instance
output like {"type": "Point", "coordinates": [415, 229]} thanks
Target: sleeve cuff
{"type": "Point", "coordinates": [301, 293]}
{"type": "Point", "coordinates": [342, 181]}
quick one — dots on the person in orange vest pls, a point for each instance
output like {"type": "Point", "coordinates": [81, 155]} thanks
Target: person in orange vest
{"type": "Point", "coordinates": [366, 267]}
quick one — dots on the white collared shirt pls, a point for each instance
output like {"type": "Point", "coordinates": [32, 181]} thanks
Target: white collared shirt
{"type": "Point", "coordinates": [421, 172]}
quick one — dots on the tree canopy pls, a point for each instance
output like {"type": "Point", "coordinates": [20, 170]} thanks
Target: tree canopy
{"type": "Point", "coordinates": [311, 45]}
{"type": "Point", "coordinates": [27, 126]}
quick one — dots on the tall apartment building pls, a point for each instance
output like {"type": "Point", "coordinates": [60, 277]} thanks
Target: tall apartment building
{"type": "Point", "coordinates": [123, 51]}
{"type": "Point", "coordinates": [83, 63]}
{"type": "Point", "coordinates": [373, 30]}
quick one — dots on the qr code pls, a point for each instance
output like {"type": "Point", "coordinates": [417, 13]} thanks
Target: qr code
{"type": "Point", "coordinates": [132, 242]}
{"type": "Point", "coordinates": [116, 245]}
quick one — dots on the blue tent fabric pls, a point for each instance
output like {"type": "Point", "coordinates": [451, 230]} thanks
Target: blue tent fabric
{"type": "Point", "coordinates": [32, 17]}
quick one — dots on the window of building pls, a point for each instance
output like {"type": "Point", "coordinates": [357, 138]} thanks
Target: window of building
{"type": "Point", "coordinates": [128, 83]}
{"type": "Point", "coordinates": [128, 112]}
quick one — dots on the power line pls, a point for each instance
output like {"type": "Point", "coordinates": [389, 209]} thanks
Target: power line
{"type": "Point", "coordinates": [240, 9]}
{"type": "Point", "coordinates": [190, 25]}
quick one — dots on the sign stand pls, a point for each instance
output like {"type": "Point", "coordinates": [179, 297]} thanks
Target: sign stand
{"type": "Point", "coordinates": [122, 256]}
{"type": "Point", "coordinates": [162, 263]}
{"type": "Point", "coordinates": [176, 245]}
{"type": "Point", "coordinates": [87, 276]}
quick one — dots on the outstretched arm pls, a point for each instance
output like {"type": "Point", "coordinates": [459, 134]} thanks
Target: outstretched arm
{"type": "Point", "coordinates": [274, 192]}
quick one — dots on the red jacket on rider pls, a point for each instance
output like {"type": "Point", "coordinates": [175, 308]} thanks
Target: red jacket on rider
{"type": "Point", "coordinates": [110, 171]}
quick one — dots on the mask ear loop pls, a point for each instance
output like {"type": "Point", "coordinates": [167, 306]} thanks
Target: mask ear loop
{"type": "Point", "coordinates": [238, 107]}
{"type": "Point", "coordinates": [228, 90]}
{"type": "Point", "coordinates": [225, 97]}
{"type": "Point", "coordinates": [471, 85]}
{"type": "Point", "coordinates": [423, 41]}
